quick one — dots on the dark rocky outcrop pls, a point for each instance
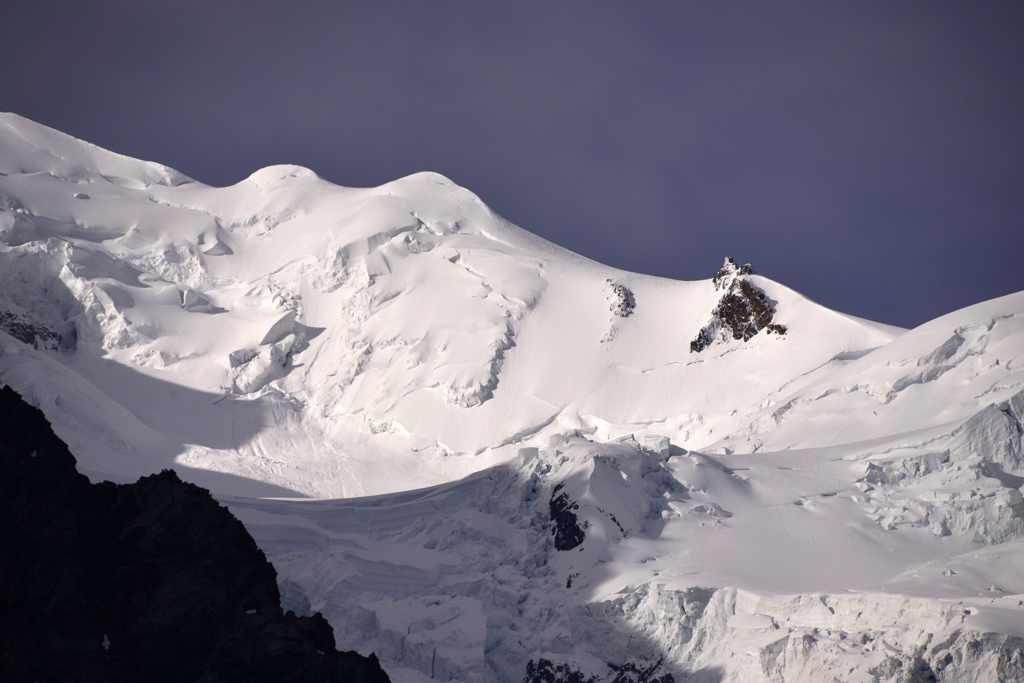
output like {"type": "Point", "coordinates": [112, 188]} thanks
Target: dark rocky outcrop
{"type": "Point", "coordinates": [631, 673]}
{"type": "Point", "coordinates": [566, 526]}
{"type": "Point", "coordinates": [30, 332]}
{"type": "Point", "coordinates": [623, 301]}
{"type": "Point", "coordinates": [152, 581]}
{"type": "Point", "coordinates": [703, 339]}
{"type": "Point", "coordinates": [744, 311]}
{"type": "Point", "coordinates": [546, 671]}
{"type": "Point", "coordinates": [730, 270]}
{"type": "Point", "coordinates": [741, 313]}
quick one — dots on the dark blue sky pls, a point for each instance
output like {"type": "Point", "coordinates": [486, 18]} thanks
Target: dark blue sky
{"type": "Point", "coordinates": [867, 154]}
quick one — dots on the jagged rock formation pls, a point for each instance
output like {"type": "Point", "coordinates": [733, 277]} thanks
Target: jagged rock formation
{"type": "Point", "coordinates": [623, 301]}
{"type": "Point", "coordinates": [742, 312]}
{"type": "Point", "coordinates": [150, 581]}
{"type": "Point", "coordinates": [729, 271]}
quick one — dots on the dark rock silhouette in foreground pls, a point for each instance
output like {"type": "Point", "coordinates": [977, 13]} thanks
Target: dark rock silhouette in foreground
{"type": "Point", "coordinates": [152, 581]}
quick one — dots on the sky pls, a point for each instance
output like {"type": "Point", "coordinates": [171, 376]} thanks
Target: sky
{"type": "Point", "coordinates": [869, 155]}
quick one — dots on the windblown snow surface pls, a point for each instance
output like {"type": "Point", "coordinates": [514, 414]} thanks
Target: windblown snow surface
{"type": "Point", "coordinates": [486, 458]}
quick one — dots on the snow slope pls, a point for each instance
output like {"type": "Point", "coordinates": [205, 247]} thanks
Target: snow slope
{"type": "Point", "coordinates": [481, 455]}
{"type": "Point", "coordinates": [406, 321]}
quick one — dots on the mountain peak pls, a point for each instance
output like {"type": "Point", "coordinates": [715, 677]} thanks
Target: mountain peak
{"type": "Point", "coordinates": [279, 173]}
{"type": "Point", "coordinates": [741, 313]}
{"type": "Point", "coordinates": [729, 270]}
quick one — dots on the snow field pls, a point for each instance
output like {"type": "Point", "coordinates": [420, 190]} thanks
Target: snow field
{"type": "Point", "coordinates": [475, 451]}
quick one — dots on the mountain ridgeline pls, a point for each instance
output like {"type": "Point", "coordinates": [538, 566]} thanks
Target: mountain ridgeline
{"type": "Point", "coordinates": [476, 454]}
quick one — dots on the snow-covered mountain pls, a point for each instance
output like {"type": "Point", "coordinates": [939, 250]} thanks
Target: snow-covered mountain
{"type": "Point", "coordinates": [484, 457]}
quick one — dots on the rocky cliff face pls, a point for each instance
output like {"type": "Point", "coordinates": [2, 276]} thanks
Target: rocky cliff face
{"type": "Point", "coordinates": [150, 581]}
{"type": "Point", "coordinates": [742, 312]}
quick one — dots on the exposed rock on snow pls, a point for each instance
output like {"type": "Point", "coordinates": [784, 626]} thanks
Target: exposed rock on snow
{"type": "Point", "coordinates": [729, 271]}
{"type": "Point", "coordinates": [623, 301]}
{"type": "Point", "coordinates": [546, 671]}
{"type": "Point", "coordinates": [742, 312]}
{"type": "Point", "coordinates": [565, 526]}
{"type": "Point", "coordinates": [623, 305]}
{"type": "Point", "coordinates": [152, 580]}
{"type": "Point", "coordinates": [27, 331]}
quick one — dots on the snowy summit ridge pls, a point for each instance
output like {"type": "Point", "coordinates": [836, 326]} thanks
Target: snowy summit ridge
{"type": "Point", "coordinates": [484, 457]}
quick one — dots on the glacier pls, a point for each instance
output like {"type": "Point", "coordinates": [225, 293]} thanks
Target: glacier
{"type": "Point", "coordinates": [485, 458]}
